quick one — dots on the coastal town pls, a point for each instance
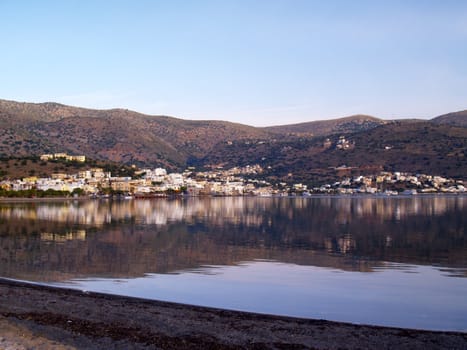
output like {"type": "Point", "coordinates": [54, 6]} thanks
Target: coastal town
{"type": "Point", "coordinates": [237, 181]}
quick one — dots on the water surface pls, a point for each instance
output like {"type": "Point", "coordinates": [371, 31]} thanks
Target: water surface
{"type": "Point", "coordinates": [387, 261]}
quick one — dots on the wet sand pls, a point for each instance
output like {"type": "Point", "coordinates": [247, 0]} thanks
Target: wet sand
{"type": "Point", "coordinates": [39, 317]}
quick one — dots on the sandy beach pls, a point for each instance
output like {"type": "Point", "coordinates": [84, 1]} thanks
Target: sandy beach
{"type": "Point", "coordinates": [40, 317]}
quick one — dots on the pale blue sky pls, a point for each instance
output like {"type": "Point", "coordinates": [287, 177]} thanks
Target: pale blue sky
{"type": "Point", "coordinates": [258, 62]}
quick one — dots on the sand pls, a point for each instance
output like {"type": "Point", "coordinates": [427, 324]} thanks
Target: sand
{"type": "Point", "coordinates": [40, 317]}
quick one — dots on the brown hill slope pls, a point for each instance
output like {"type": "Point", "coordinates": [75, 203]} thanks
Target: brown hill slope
{"type": "Point", "coordinates": [327, 127]}
{"type": "Point", "coordinates": [418, 147]}
{"type": "Point", "coordinates": [124, 136]}
{"type": "Point", "coordinates": [12, 111]}
{"type": "Point", "coordinates": [455, 119]}
{"type": "Point", "coordinates": [117, 135]}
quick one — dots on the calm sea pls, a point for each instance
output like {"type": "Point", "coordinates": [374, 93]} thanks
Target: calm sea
{"type": "Point", "coordinates": [373, 260]}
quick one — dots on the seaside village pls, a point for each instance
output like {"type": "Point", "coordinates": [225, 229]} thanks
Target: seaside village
{"type": "Point", "coordinates": [237, 181]}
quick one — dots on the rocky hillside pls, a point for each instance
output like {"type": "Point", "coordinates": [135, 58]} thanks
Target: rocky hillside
{"type": "Point", "coordinates": [310, 152]}
{"type": "Point", "coordinates": [454, 119]}
{"type": "Point", "coordinates": [417, 147]}
{"type": "Point", "coordinates": [345, 125]}
{"type": "Point", "coordinates": [117, 135]}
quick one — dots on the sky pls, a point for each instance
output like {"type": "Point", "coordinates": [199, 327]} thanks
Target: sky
{"type": "Point", "coordinates": [256, 62]}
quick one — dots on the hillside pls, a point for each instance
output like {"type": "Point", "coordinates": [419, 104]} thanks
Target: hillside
{"type": "Point", "coordinates": [454, 119]}
{"type": "Point", "coordinates": [345, 125]}
{"type": "Point", "coordinates": [117, 135]}
{"type": "Point", "coordinates": [313, 152]}
{"type": "Point", "coordinates": [20, 167]}
{"type": "Point", "coordinates": [418, 147]}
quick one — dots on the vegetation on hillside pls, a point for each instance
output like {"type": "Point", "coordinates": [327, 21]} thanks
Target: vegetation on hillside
{"type": "Point", "coordinates": [419, 147]}
{"type": "Point", "coordinates": [21, 167]}
{"type": "Point", "coordinates": [328, 127]}
{"type": "Point", "coordinates": [304, 152]}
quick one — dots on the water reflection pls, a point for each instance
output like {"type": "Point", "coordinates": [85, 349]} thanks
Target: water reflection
{"type": "Point", "coordinates": [245, 210]}
{"type": "Point", "coordinates": [130, 238]}
{"type": "Point", "coordinates": [67, 236]}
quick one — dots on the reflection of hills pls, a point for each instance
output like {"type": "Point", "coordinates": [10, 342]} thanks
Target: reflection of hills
{"type": "Point", "coordinates": [130, 238]}
{"type": "Point", "coordinates": [129, 252]}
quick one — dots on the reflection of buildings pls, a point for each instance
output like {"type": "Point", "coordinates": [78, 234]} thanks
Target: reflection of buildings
{"type": "Point", "coordinates": [79, 235]}
{"type": "Point", "coordinates": [392, 208]}
{"type": "Point", "coordinates": [344, 245]}
{"type": "Point", "coordinates": [236, 210]}
{"type": "Point", "coordinates": [158, 211]}
{"type": "Point", "coordinates": [133, 237]}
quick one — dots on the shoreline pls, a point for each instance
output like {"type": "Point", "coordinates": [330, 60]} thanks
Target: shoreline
{"type": "Point", "coordinates": [38, 316]}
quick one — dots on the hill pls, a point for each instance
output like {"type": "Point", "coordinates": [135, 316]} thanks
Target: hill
{"type": "Point", "coordinates": [454, 119]}
{"type": "Point", "coordinates": [313, 152]}
{"type": "Point", "coordinates": [345, 125]}
{"type": "Point", "coordinates": [20, 167]}
{"type": "Point", "coordinates": [417, 147]}
{"type": "Point", "coordinates": [117, 135]}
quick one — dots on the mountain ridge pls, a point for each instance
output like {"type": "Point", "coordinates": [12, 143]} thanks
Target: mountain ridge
{"type": "Point", "coordinates": [116, 134]}
{"type": "Point", "coordinates": [329, 126]}
{"type": "Point", "coordinates": [128, 137]}
{"type": "Point", "coordinates": [455, 118]}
